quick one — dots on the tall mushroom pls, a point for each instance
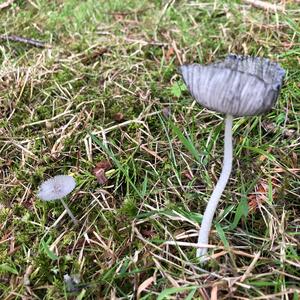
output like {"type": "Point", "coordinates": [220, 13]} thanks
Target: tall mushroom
{"type": "Point", "coordinates": [238, 86]}
{"type": "Point", "coordinates": [56, 188]}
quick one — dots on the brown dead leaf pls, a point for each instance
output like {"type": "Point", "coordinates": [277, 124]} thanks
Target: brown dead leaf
{"type": "Point", "coordinates": [28, 203]}
{"type": "Point", "coordinates": [187, 174]}
{"type": "Point", "coordinates": [94, 56]}
{"type": "Point", "coordinates": [101, 178]}
{"type": "Point", "coordinates": [100, 169]}
{"type": "Point", "coordinates": [118, 117]}
{"type": "Point", "coordinates": [170, 53]}
{"type": "Point", "coordinates": [260, 195]}
{"type": "Point", "coordinates": [147, 233]}
{"type": "Point", "coordinates": [253, 202]}
{"type": "Point", "coordinates": [104, 164]}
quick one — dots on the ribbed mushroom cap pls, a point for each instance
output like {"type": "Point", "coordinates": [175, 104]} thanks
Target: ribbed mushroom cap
{"type": "Point", "coordinates": [56, 188]}
{"type": "Point", "coordinates": [240, 86]}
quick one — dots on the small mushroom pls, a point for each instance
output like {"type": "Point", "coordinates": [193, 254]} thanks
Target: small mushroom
{"type": "Point", "coordinates": [238, 86]}
{"type": "Point", "coordinates": [57, 188]}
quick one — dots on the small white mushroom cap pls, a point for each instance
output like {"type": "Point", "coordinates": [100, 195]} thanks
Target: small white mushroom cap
{"type": "Point", "coordinates": [239, 86]}
{"type": "Point", "coordinates": [56, 188]}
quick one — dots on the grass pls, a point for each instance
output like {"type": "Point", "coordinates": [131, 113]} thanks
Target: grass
{"type": "Point", "coordinates": [58, 111]}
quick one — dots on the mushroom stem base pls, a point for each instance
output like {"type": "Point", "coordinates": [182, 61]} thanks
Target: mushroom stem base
{"type": "Point", "coordinates": [219, 188]}
{"type": "Point", "coordinates": [69, 212]}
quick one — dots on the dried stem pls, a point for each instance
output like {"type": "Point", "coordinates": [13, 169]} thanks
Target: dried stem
{"type": "Point", "coordinates": [20, 39]}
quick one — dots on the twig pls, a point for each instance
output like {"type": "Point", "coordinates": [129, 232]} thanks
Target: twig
{"type": "Point", "coordinates": [251, 266]}
{"type": "Point", "coordinates": [6, 4]}
{"type": "Point", "coordinates": [193, 245]}
{"type": "Point", "coordinates": [265, 5]}
{"type": "Point", "coordinates": [15, 38]}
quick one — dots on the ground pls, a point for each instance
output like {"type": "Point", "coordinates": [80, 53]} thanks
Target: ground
{"type": "Point", "coordinates": [102, 100]}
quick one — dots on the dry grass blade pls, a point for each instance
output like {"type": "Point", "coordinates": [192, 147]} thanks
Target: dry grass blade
{"type": "Point", "coordinates": [265, 5]}
{"type": "Point", "coordinates": [5, 4]}
{"type": "Point", "coordinates": [144, 285]}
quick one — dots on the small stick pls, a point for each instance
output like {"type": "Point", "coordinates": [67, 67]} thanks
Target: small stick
{"type": "Point", "coordinates": [265, 5]}
{"type": "Point", "coordinates": [15, 38]}
{"type": "Point", "coordinates": [251, 266]}
{"type": "Point", "coordinates": [69, 212]}
{"type": "Point", "coordinates": [6, 4]}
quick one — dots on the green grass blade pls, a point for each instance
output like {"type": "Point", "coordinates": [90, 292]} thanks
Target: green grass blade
{"type": "Point", "coordinates": [4, 268]}
{"type": "Point", "coordinates": [171, 291]}
{"type": "Point", "coordinates": [116, 162]}
{"type": "Point", "coordinates": [186, 142]}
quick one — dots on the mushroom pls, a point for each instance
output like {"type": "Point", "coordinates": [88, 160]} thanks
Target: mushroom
{"type": "Point", "coordinates": [57, 188]}
{"type": "Point", "coordinates": [238, 86]}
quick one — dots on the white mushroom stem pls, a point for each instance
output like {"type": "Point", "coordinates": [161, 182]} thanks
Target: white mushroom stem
{"type": "Point", "coordinates": [219, 188]}
{"type": "Point", "coordinates": [69, 212]}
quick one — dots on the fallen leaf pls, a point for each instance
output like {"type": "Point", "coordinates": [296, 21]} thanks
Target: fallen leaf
{"type": "Point", "coordinates": [101, 178]}
{"type": "Point", "coordinates": [170, 53]}
{"type": "Point", "coordinates": [104, 164]}
{"type": "Point", "coordinates": [28, 203]}
{"type": "Point", "coordinates": [253, 202]}
{"type": "Point", "coordinates": [118, 117]}
{"type": "Point", "coordinates": [187, 174]}
{"type": "Point", "coordinates": [94, 56]}
{"type": "Point", "coordinates": [100, 169]}
{"type": "Point", "coordinates": [260, 195]}
{"type": "Point", "coordinates": [147, 233]}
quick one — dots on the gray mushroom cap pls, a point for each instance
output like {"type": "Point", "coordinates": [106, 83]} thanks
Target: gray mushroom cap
{"type": "Point", "coordinates": [56, 187]}
{"type": "Point", "coordinates": [240, 86]}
